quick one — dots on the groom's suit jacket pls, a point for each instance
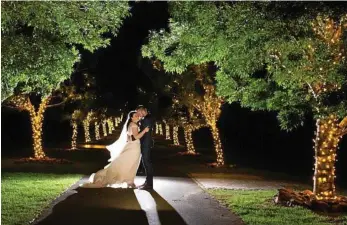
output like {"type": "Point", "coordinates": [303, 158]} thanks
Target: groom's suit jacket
{"type": "Point", "coordinates": [146, 140]}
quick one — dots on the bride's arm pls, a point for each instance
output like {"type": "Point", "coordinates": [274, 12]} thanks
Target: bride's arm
{"type": "Point", "coordinates": [136, 133]}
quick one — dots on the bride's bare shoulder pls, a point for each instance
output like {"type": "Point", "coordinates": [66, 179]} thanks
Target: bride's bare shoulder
{"type": "Point", "coordinates": [132, 124]}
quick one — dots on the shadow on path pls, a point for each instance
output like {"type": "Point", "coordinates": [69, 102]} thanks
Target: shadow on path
{"type": "Point", "coordinates": [103, 206]}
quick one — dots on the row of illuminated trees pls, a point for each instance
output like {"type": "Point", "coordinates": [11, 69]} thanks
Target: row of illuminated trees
{"type": "Point", "coordinates": [288, 57]}
{"type": "Point", "coordinates": [100, 122]}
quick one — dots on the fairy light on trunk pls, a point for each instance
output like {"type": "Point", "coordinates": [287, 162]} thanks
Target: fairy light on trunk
{"type": "Point", "coordinates": [104, 128]}
{"type": "Point", "coordinates": [328, 134]}
{"type": "Point", "coordinates": [156, 128]}
{"type": "Point", "coordinates": [110, 126]}
{"type": "Point", "coordinates": [160, 126]}
{"type": "Point", "coordinates": [167, 131]}
{"type": "Point", "coordinates": [188, 131]}
{"type": "Point", "coordinates": [36, 119]}
{"type": "Point", "coordinates": [210, 108]}
{"type": "Point", "coordinates": [328, 129]}
{"type": "Point", "coordinates": [175, 136]}
{"type": "Point", "coordinates": [74, 135]}
{"type": "Point", "coordinates": [97, 130]}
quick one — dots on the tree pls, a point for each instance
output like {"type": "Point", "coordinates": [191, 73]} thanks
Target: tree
{"type": "Point", "coordinates": [39, 51]}
{"type": "Point", "coordinates": [284, 57]}
{"type": "Point", "coordinates": [39, 40]}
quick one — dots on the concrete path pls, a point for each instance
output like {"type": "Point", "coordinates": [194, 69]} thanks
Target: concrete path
{"type": "Point", "coordinates": [175, 200]}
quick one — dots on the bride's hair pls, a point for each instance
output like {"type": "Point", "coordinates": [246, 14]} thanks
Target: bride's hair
{"type": "Point", "coordinates": [130, 115]}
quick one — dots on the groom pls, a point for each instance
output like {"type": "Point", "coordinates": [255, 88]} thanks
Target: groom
{"type": "Point", "coordinates": [146, 145]}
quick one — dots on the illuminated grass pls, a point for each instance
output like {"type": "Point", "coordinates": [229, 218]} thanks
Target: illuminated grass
{"type": "Point", "coordinates": [24, 195]}
{"type": "Point", "coordinates": [255, 207]}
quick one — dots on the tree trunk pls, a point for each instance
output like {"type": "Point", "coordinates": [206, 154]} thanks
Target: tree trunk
{"type": "Point", "coordinates": [189, 140]}
{"type": "Point", "coordinates": [161, 129]}
{"type": "Point", "coordinates": [36, 125]}
{"type": "Point", "coordinates": [328, 135]}
{"type": "Point", "coordinates": [86, 130]}
{"type": "Point", "coordinates": [217, 145]}
{"type": "Point", "coordinates": [167, 132]}
{"type": "Point", "coordinates": [97, 131]}
{"type": "Point", "coordinates": [104, 128]}
{"type": "Point", "coordinates": [74, 135]}
{"type": "Point", "coordinates": [175, 136]}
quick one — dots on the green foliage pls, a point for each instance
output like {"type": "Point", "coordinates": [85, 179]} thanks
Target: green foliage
{"type": "Point", "coordinates": [39, 39]}
{"type": "Point", "coordinates": [263, 54]}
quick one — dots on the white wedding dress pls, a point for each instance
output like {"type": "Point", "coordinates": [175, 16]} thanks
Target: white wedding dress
{"type": "Point", "coordinates": [121, 171]}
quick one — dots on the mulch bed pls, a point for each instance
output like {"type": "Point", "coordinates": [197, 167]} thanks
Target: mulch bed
{"type": "Point", "coordinates": [307, 199]}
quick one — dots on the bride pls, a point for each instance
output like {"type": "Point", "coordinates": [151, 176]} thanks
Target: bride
{"type": "Point", "coordinates": [125, 158]}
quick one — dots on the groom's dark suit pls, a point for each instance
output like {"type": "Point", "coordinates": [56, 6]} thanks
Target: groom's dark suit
{"type": "Point", "coordinates": [146, 145]}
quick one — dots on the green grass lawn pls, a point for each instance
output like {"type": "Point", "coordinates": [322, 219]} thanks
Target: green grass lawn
{"type": "Point", "coordinates": [24, 195]}
{"type": "Point", "coordinates": [256, 207]}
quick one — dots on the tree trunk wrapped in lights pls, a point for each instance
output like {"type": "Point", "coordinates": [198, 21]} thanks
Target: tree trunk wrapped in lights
{"type": "Point", "coordinates": [86, 124]}
{"type": "Point", "coordinates": [156, 128]}
{"type": "Point", "coordinates": [188, 132]}
{"type": "Point", "coordinates": [104, 128]}
{"type": "Point", "coordinates": [167, 132]}
{"type": "Point", "coordinates": [160, 126]}
{"type": "Point", "coordinates": [210, 108]}
{"type": "Point", "coordinates": [97, 130]}
{"type": "Point", "coordinates": [116, 121]}
{"type": "Point", "coordinates": [74, 135]}
{"type": "Point", "coordinates": [328, 134]}
{"type": "Point", "coordinates": [24, 103]}
{"type": "Point", "coordinates": [110, 126]}
{"type": "Point", "coordinates": [175, 136]}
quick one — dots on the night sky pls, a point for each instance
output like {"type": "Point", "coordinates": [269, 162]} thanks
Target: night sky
{"type": "Point", "coordinates": [249, 138]}
{"type": "Point", "coordinates": [117, 67]}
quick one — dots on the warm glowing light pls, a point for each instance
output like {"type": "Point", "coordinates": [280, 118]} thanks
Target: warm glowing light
{"type": "Point", "coordinates": [36, 118]}
{"type": "Point", "coordinates": [104, 128]}
{"type": "Point", "coordinates": [188, 130]}
{"type": "Point", "coordinates": [175, 136]}
{"type": "Point", "coordinates": [110, 125]}
{"type": "Point", "coordinates": [86, 123]}
{"type": "Point", "coordinates": [74, 135]}
{"type": "Point", "coordinates": [97, 130]}
{"type": "Point", "coordinates": [210, 108]}
{"type": "Point", "coordinates": [325, 155]}
{"type": "Point", "coordinates": [156, 128]}
{"type": "Point", "coordinates": [167, 132]}
{"type": "Point", "coordinates": [160, 126]}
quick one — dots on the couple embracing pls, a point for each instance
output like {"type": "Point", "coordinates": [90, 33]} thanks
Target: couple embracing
{"type": "Point", "coordinates": [135, 142]}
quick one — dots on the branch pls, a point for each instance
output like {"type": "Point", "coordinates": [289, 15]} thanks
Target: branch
{"type": "Point", "coordinates": [57, 104]}
{"type": "Point", "coordinates": [314, 94]}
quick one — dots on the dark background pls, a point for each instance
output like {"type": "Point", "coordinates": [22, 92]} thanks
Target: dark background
{"type": "Point", "coordinates": [251, 139]}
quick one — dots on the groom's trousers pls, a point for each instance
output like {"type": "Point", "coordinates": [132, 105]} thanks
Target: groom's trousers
{"type": "Point", "coordinates": [147, 164]}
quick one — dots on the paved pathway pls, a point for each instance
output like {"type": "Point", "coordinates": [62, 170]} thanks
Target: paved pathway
{"type": "Point", "coordinates": [175, 200]}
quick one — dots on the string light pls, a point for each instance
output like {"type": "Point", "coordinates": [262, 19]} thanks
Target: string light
{"type": "Point", "coordinates": [104, 128]}
{"type": "Point", "coordinates": [175, 136]}
{"type": "Point", "coordinates": [167, 132]}
{"type": "Point", "coordinates": [188, 130]}
{"type": "Point", "coordinates": [328, 135]}
{"type": "Point", "coordinates": [36, 119]}
{"type": "Point", "coordinates": [156, 128]}
{"type": "Point", "coordinates": [110, 125]}
{"type": "Point", "coordinates": [86, 124]}
{"type": "Point", "coordinates": [74, 135]}
{"type": "Point", "coordinates": [210, 108]}
{"type": "Point", "coordinates": [97, 130]}
{"type": "Point", "coordinates": [160, 126]}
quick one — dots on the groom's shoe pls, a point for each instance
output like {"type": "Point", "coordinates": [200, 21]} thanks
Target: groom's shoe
{"type": "Point", "coordinates": [145, 187]}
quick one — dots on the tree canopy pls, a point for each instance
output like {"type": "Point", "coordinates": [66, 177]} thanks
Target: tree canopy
{"type": "Point", "coordinates": [269, 55]}
{"type": "Point", "coordinates": [40, 40]}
